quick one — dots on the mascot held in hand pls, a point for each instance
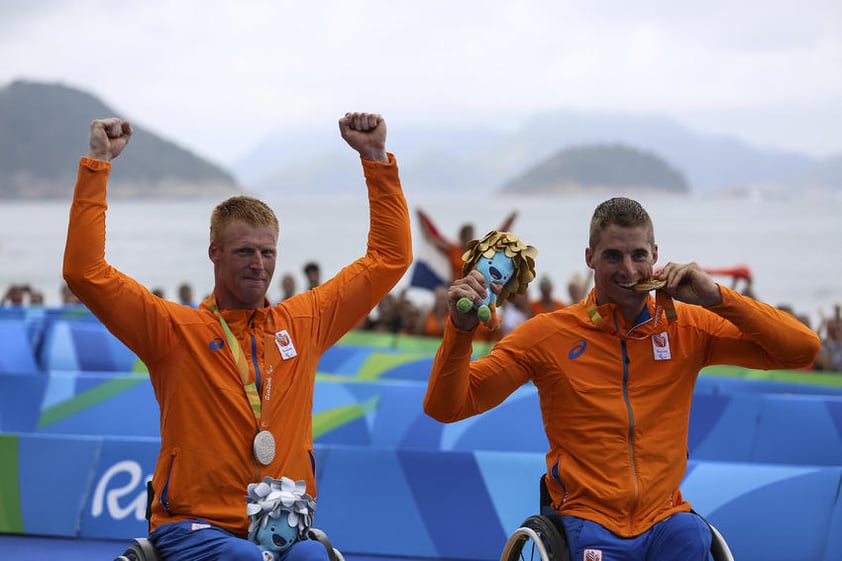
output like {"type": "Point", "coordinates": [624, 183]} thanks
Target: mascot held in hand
{"type": "Point", "coordinates": [503, 260]}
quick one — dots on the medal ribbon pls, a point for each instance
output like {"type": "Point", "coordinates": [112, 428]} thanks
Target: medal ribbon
{"type": "Point", "coordinates": [242, 365]}
{"type": "Point", "coordinates": [663, 302]}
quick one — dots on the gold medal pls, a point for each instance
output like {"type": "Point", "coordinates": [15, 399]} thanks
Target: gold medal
{"type": "Point", "coordinates": [264, 447]}
{"type": "Point", "coordinates": [649, 284]}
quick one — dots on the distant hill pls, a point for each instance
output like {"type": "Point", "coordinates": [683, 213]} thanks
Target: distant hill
{"type": "Point", "coordinates": [612, 168]}
{"type": "Point", "coordinates": [469, 160]}
{"type": "Point", "coordinates": [709, 162]}
{"type": "Point", "coordinates": [824, 174]}
{"type": "Point", "coordinates": [316, 160]}
{"type": "Point", "coordinates": [44, 131]}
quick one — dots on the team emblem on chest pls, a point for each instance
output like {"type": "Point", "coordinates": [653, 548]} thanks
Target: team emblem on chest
{"type": "Point", "coordinates": [661, 346]}
{"type": "Point", "coordinates": [285, 344]}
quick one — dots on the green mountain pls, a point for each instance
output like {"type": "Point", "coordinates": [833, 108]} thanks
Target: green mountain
{"type": "Point", "coordinates": [614, 168]}
{"type": "Point", "coordinates": [44, 131]}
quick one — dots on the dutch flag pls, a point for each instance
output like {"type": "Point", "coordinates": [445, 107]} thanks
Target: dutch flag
{"type": "Point", "coordinates": [431, 268]}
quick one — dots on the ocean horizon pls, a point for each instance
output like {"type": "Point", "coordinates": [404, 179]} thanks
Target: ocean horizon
{"type": "Point", "coordinates": [790, 246]}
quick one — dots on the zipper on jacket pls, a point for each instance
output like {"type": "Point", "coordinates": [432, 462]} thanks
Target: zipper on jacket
{"type": "Point", "coordinates": [254, 357]}
{"type": "Point", "coordinates": [554, 471]}
{"type": "Point", "coordinates": [256, 363]}
{"type": "Point", "coordinates": [165, 491]}
{"type": "Point", "coordinates": [630, 412]}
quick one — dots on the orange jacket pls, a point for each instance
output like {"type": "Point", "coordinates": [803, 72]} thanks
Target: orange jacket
{"type": "Point", "coordinates": [207, 426]}
{"type": "Point", "coordinates": [615, 407]}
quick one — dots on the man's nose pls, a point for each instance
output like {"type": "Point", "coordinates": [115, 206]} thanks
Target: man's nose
{"type": "Point", "coordinates": [257, 260]}
{"type": "Point", "coordinates": [628, 266]}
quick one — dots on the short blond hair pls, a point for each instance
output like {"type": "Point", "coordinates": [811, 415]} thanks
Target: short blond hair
{"type": "Point", "coordinates": [253, 212]}
{"type": "Point", "coordinates": [620, 211]}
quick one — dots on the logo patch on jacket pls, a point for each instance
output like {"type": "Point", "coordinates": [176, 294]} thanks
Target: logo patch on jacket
{"type": "Point", "coordinates": [661, 346]}
{"type": "Point", "coordinates": [577, 349]}
{"type": "Point", "coordinates": [285, 345]}
{"type": "Point", "coordinates": [593, 554]}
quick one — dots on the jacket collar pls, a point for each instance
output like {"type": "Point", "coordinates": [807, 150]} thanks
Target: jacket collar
{"type": "Point", "coordinates": [657, 313]}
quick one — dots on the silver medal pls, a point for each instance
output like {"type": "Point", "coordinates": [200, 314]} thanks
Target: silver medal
{"type": "Point", "coordinates": [264, 447]}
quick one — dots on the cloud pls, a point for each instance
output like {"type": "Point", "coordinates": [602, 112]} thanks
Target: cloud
{"type": "Point", "coordinates": [219, 75]}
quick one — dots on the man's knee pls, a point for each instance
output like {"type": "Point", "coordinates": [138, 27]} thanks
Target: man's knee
{"type": "Point", "coordinates": [306, 550]}
{"type": "Point", "coordinates": [238, 549]}
{"type": "Point", "coordinates": [682, 536]}
{"type": "Point", "coordinates": [187, 540]}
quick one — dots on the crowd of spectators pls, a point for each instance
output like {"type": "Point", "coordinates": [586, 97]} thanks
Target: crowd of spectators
{"type": "Point", "coordinates": [398, 313]}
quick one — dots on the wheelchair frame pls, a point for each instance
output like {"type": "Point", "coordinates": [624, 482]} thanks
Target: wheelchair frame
{"type": "Point", "coordinates": [549, 539]}
{"type": "Point", "coordinates": [143, 550]}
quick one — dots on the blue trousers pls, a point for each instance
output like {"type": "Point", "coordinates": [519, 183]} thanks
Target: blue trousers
{"type": "Point", "coordinates": [681, 537]}
{"type": "Point", "coordinates": [195, 540]}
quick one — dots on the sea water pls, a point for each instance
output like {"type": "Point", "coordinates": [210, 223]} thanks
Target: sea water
{"type": "Point", "coordinates": [791, 246]}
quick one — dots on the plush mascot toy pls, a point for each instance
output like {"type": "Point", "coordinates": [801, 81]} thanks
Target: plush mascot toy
{"type": "Point", "coordinates": [503, 260]}
{"type": "Point", "coordinates": [280, 513]}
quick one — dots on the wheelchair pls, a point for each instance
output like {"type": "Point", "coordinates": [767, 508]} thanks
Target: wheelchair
{"type": "Point", "coordinates": [542, 537]}
{"type": "Point", "coordinates": [143, 550]}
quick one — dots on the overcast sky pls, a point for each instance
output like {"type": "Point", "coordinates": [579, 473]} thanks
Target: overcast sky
{"type": "Point", "coordinates": [217, 76]}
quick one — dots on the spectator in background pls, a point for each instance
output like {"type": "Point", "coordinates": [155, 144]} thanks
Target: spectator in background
{"type": "Point", "coordinates": [437, 314]}
{"type": "Point", "coordinates": [830, 332]}
{"type": "Point", "coordinates": [313, 274]}
{"type": "Point", "coordinates": [385, 317]}
{"type": "Point", "coordinates": [287, 286]}
{"type": "Point", "coordinates": [15, 295]}
{"type": "Point", "coordinates": [546, 302]}
{"type": "Point", "coordinates": [185, 295]}
{"type": "Point", "coordinates": [452, 250]}
{"type": "Point", "coordinates": [411, 318]}
{"type": "Point", "coordinates": [19, 295]}
{"type": "Point", "coordinates": [578, 286]}
{"type": "Point", "coordinates": [747, 288]}
{"type": "Point", "coordinates": [514, 313]}
{"type": "Point", "coordinates": [36, 298]}
{"type": "Point", "coordinates": [67, 296]}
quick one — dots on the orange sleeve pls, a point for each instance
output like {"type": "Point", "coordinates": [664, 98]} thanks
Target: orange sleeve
{"type": "Point", "coordinates": [348, 297]}
{"type": "Point", "coordinates": [99, 285]}
{"type": "Point", "coordinates": [460, 388]}
{"type": "Point", "coordinates": [781, 340]}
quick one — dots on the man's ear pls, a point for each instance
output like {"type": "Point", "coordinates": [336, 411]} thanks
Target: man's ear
{"type": "Point", "coordinates": [213, 252]}
{"type": "Point", "coordinates": [588, 257]}
{"type": "Point", "coordinates": [654, 254]}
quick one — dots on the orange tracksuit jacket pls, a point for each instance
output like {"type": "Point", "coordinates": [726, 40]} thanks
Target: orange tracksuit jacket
{"type": "Point", "coordinates": [207, 426]}
{"type": "Point", "coordinates": [615, 401]}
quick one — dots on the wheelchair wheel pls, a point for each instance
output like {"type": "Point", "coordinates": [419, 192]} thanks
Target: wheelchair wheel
{"type": "Point", "coordinates": [319, 535]}
{"type": "Point", "coordinates": [141, 550]}
{"type": "Point", "coordinates": [538, 538]}
{"type": "Point", "coordinates": [718, 547]}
